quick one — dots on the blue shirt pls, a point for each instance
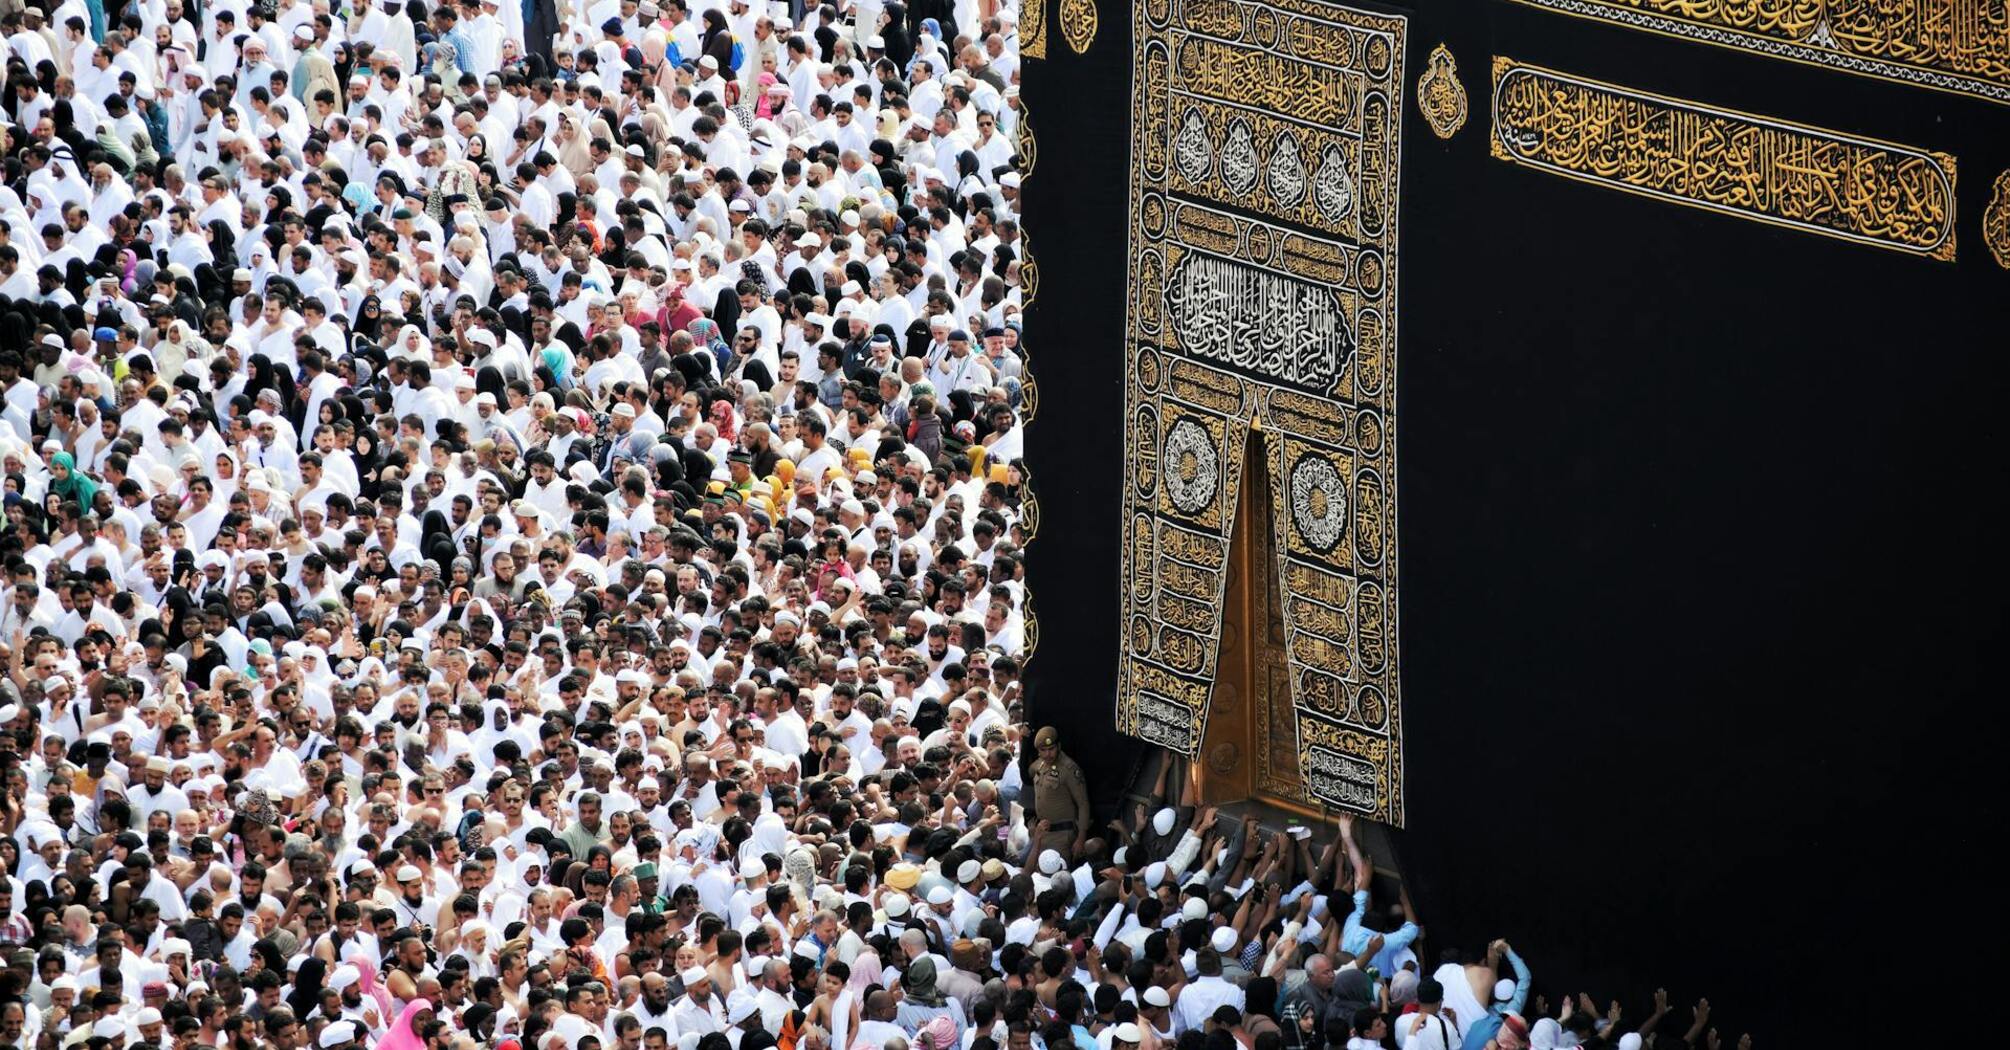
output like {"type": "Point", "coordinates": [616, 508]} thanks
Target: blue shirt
{"type": "Point", "coordinates": [1354, 937]}
{"type": "Point", "coordinates": [464, 56]}
{"type": "Point", "coordinates": [1484, 1029]}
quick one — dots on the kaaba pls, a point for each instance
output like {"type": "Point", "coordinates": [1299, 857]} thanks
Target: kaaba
{"type": "Point", "coordinates": [1557, 430]}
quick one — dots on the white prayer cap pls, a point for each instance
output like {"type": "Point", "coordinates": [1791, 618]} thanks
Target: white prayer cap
{"type": "Point", "coordinates": [1051, 862]}
{"type": "Point", "coordinates": [408, 873]}
{"type": "Point", "coordinates": [148, 1015]}
{"type": "Point", "coordinates": [940, 895]}
{"type": "Point", "coordinates": [1156, 996]}
{"type": "Point", "coordinates": [1223, 940]}
{"type": "Point", "coordinates": [338, 1033]}
{"type": "Point", "coordinates": [896, 905]}
{"type": "Point", "coordinates": [1162, 821]}
{"type": "Point", "coordinates": [1155, 873]}
{"type": "Point", "coordinates": [739, 1006]}
{"type": "Point", "coordinates": [752, 868]}
{"type": "Point", "coordinates": [1127, 1033]}
{"type": "Point", "coordinates": [1194, 908]}
{"type": "Point", "coordinates": [1503, 990]}
{"type": "Point", "coordinates": [693, 975]}
{"type": "Point", "coordinates": [969, 871]}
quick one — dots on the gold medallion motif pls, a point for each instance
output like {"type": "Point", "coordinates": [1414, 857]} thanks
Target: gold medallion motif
{"type": "Point", "coordinates": [1078, 24]}
{"type": "Point", "coordinates": [1996, 221]}
{"type": "Point", "coordinates": [1440, 95]}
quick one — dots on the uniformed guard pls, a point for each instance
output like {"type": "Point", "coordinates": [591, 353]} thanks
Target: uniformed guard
{"type": "Point", "coordinates": [1060, 796]}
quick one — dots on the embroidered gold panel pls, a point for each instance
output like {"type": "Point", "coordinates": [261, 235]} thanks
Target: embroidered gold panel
{"type": "Point", "coordinates": [1033, 29]}
{"type": "Point", "coordinates": [1266, 143]}
{"type": "Point", "coordinates": [1752, 167]}
{"type": "Point", "coordinates": [1996, 221]}
{"type": "Point", "coordinates": [1961, 46]}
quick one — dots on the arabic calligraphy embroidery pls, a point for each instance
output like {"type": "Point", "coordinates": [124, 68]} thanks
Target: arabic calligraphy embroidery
{"type": "Point", "coordinates": [1753, 167]}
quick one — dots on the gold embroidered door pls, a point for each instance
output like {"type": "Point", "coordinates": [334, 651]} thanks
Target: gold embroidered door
{"type": "Point", "coordinates": [1250, 752]}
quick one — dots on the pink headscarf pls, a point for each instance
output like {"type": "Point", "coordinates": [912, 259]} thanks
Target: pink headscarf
{"type": "Point", "coordinates": [402, 1036]}
{"type": "Point", "coordinates": [938, 1033]}
{"type": "Point", "coordinates": [764, 105]}
{"type": "Point", "coordinates": [865, 972]}
{"type": "Point", "coordinates": [372, 986]}
{"type": "Point", "coordinates": [723, 418]}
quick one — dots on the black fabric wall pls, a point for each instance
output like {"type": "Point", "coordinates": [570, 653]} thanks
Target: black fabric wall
{"type": "Point", "coordinates": [1697, 522]}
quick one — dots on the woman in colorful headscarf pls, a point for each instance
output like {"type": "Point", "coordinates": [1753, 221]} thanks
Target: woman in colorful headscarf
{"type": "Point", "coordinates": [767, 104]}
{"type": "Point", "coordinates": [725, 419]}
{"type": "Point", "coordinates": [408, 1031]}
{"type": "Point", "coordinates": [705, 332]}
{"type": "Point", "coordinates": [66, 481]}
